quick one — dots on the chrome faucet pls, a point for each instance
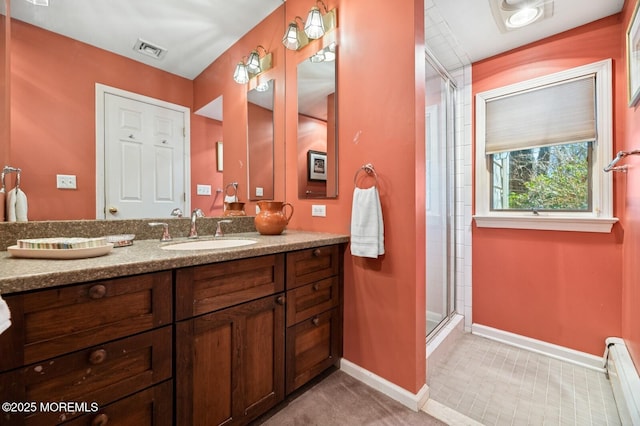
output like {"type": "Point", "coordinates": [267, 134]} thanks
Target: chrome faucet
{"type": "Point", "coordinates": [165, 230]}
{"type": "Point", "coordinates": [196, 213]}
{"type": "Point", "coordinates": [219, 232]}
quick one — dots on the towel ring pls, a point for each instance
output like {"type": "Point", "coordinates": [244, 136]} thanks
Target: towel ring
{"type": "Point", "coordinates": [234, 185]}
{"type": "Point", "coordinates": [368, 168]}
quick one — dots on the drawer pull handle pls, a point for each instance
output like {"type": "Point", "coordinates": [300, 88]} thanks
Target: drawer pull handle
{"type": "Point", "coordinates": [280, 300]}
{"type": "Point", "coordinates": [97, 291]}
{"type": "Point", "coordinates": [316, 287]}
{"type": "Point", "coordinates": [98, 356]}
{"type": "Point", "coordinates": [100, 420]}
{"type": "Point", "coordinates": [317, 252]}
{"type": "Point", "coordinates": [315, 321]}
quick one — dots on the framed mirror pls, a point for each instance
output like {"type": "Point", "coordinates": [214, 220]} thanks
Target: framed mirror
{"type": "Point", "coordinates": [260, 141]}
{"type": "Point", "coordinates": [317, 130]}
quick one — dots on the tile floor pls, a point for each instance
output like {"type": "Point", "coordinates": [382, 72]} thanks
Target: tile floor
{"type": "Point", "coordinates": [498, 384]}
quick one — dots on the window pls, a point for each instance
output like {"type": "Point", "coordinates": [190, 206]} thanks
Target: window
{"type": "Point", "coordinates": [541, 146]}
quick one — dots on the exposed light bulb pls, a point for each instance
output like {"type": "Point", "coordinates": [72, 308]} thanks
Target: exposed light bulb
{"type": "Point", "coordinates": [524, 17]}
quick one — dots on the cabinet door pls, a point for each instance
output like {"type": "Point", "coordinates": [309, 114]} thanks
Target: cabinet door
{"type": "Point", "coordinates": [312, 347]}
{"type": "Point", "coordinates": [230, 363]}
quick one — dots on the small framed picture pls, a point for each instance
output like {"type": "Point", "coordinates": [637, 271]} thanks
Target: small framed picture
{"type": "Point", "coordinates": [317, 165]}
{"type": "Point", "coordinates": [633, 58]}
{"type": "Point", "coordinates": [219, 158]}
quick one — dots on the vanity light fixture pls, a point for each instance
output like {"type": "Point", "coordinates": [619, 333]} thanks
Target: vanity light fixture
{"type": "Point", "coordinates": [327, 54]}
{"type": "Point", "coordinates": [241, 74]}
{"type": "Point", "coordinates": [293, 38]}
{"type": "Point", "coordinates": [513, 14]}
{"type": "Point", "coordinates": [316, 26]}
{"type": "Point", "coordinates": [253, 63]}
{"type": "Point", "coordinates": [254, 66]}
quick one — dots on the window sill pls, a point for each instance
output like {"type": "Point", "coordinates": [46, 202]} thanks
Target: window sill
{"type": "Point", "coordinates": [575, 224]}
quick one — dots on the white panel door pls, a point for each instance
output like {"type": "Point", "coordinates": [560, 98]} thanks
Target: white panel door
{"type": "Point", "coordinates": [144, 159]}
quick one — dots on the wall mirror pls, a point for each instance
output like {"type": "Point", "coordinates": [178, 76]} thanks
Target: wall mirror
{"type": "Point", "coordinates": [260, 140]}
{"type": "Point", "coordinates": [317, 130]}
{"type": "Point", "coordinates": [68, 133]}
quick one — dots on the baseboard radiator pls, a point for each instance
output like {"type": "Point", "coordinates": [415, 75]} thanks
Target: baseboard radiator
{"type": "Point", "coordinates": [624, 380]}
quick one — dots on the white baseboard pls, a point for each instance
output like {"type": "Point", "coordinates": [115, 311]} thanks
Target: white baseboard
{"type": "Point", "coordinates": [403, 396]}
{"type": "Point", "coordinates": [625, 381]}
{"type": "Point", "coordinates": [549, 349]}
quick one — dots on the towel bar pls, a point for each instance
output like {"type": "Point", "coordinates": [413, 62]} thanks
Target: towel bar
{"type": "Point", "coordinates": [620, 156]}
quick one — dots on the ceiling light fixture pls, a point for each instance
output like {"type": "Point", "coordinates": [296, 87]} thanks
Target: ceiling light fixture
{"type": "Point", "coordinates": [316, 26]}
{"type": "Point", "coordinates": [513, 14]}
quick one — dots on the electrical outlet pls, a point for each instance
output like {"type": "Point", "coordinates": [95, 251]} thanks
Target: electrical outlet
{"type": "Point", "coordinates": [66, 182]}
{"type": "Point", "coordinates": [259, 191]}
{"type": "Point", "coordinates": [203, 189]}
{"type": "Point", "coordinates": [319, 210]}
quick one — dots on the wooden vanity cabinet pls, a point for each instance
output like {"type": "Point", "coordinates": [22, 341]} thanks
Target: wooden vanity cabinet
{"type": "Point", "coordinates": [314, 313]}
{"type": "Point", "coordinates": [230, 360]}
{"type": "Point", "coordinates": [99, 342]}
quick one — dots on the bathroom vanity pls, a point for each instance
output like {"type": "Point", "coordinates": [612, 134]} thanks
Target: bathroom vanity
{"type": "Point", "coordinates": [151, 336]}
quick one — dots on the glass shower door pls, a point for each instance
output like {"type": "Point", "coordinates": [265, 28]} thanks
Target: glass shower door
{"type": "Point", "coordinates": [440, 235]}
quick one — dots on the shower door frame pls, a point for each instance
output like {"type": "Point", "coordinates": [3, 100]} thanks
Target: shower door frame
{"type": "Point", "coordinates": [450, 133]}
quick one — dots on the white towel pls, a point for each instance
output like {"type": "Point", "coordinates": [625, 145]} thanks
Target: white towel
{"type": "Point", "coordinates": [367, 226]}
{"type": "Point", "coordinates": [11, 206]}
{"type": "Point", "coordinates": [17, 207]}
{"type": "Point", "coordinates": [5, 316]}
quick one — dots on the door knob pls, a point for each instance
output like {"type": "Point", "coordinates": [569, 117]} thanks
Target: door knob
{"type": "Point", "coordinates": [113, 210]}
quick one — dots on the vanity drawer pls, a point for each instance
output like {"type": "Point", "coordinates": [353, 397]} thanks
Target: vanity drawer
{"type": "Point", "coordinates": [150, 407]}
{"type": "Point", "coordinates": [312, 299]}
{"type": "Point", "coordinates": [307, 266]}
{"type": "Point", "coordinates": [312, 346]}
{"type": "Point", "coordinates": [207, 288]}
{"type": "Point", "coordinates": [100, 374]}
{"type": "Point", "coordinates": [53, 322]}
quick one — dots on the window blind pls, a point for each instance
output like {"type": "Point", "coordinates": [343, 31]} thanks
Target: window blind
{"type": "Point", "coordinates": [560, 113]}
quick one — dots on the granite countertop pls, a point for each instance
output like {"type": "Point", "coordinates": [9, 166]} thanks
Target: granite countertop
{"type": "Point", "coordinates": [19, 274]}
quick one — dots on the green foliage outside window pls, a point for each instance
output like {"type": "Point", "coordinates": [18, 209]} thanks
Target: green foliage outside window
{"type": "Point", "coordinates": [553, 178]}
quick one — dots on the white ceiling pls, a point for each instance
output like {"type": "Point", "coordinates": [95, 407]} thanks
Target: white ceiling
{"type": "Point", "coordinates": [196, 32]}
{"type": "Point", "coordinates": [471, 24]}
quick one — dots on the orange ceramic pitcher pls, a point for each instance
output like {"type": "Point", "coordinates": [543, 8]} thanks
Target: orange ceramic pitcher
{"type": "Point", "coordinates": [272, 219]}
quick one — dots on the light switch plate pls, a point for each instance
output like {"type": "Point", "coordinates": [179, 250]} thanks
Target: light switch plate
{"type": "Point", "coordinates": [66, 182]}
{"type": "Point", "coordinates": [318, 210]}
{"type": "Point", "coordinates": [203, 190]}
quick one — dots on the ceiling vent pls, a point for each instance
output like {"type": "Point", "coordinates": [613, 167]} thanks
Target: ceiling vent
{"type": "Point", "coordinates": [149, 49]}
{"type": "Point", "coordinates": [513, 14]}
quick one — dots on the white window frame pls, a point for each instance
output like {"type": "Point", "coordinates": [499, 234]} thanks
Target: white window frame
{"type": "Point", "coordinates": [600, 219]}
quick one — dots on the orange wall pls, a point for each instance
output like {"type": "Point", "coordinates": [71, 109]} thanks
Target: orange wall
{"type": "Point", "coordinates": [381, 121]}
{"type": "Point", "coordinates": [260, 137]}
{"type": "Point", "coordinates": [205, 132]}
{"type": "Point", "coordinates": [53, 114]}
{"type": "Point", "coordinates": [559, 287]}
{"type": "Point", "coordinates": [630, 193]}
{"type": "Point", "coordinates": [312, 135]}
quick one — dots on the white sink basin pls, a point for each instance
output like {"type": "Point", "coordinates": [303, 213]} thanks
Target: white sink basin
{"type": "Point", "coordinates": [209, 244]}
